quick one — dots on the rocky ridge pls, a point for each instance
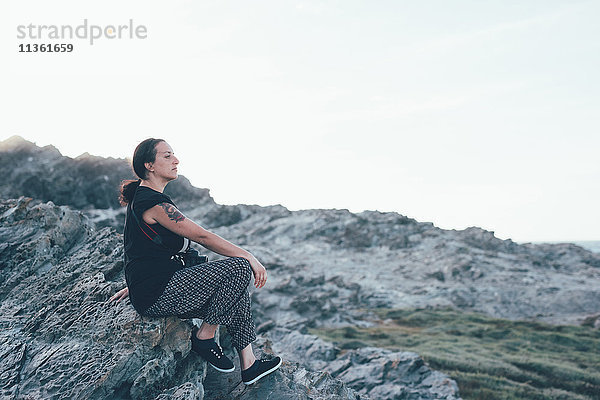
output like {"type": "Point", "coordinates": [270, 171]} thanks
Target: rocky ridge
{"type": "Point", "coordinates": [87, 182]}
{"type": "Point", "coordinates": [397, 261]}
{"type": "Point", "coordinates": [62, 339]}
{"type": "Point", "coordinates": [328, 268]}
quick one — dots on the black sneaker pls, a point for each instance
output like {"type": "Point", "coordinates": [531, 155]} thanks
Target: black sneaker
{"type": "Point", "coordinates": [212, 352]}
{"type": "Point", "coordinates": [259, 369]}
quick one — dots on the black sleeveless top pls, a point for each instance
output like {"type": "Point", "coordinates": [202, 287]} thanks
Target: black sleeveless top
{"type": "Point", "coordinates": [148, 266]}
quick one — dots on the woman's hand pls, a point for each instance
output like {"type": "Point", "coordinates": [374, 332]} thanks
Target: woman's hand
{"type": "Point", "coordinates": [259, 271]}
{"type": "Point", "coordinates": [120, 295]}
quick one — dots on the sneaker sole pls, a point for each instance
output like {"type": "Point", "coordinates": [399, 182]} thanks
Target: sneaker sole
{"type": "Point", "coordinates": [267, 372]}
{"type": "Point", "coordinates": [220, 369]}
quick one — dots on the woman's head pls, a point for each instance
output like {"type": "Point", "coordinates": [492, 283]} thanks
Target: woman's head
{"type": "Point", "coordinates": [144, 153]}
{"type": "Point", "coordinates": [152, 158]}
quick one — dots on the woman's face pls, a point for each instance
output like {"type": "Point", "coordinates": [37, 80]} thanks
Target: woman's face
{"type": "Point", "coordinates": [165, 164]}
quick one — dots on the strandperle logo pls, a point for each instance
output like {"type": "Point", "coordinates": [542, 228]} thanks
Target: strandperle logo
{"type": "Point", "coordinates": [83, 31]}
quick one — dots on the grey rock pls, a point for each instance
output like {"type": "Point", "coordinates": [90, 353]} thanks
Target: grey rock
{"type": "Point", "coordinates": [373, 372]}
{"type": "Point", "coordinates": [290, 381]}
{"type": "Point", "coordinates": [397, 261]}
{"type": "Point", "coordinates": [61, 339]}
{"type": "Point", "coordinates": [394, 375]}
{"type": "Point", "coordinates": [44, 174]}
{"type": "Point", "coordinates": [592, 321]}
{"type": "Point", "coordinates": [327, 268]}
{"type": "Point", "coordinates": [185, 391]}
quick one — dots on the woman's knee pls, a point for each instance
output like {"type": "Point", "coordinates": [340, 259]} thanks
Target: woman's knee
{"type": "Point", "coordinates": [242, 269]}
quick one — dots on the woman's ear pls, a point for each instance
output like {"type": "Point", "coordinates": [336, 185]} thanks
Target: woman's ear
{"type": "Point", "coordinates": [148, 166]}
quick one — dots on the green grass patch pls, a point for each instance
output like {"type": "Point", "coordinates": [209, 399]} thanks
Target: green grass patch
{"type": "Point", "coordinates": [490, 358]}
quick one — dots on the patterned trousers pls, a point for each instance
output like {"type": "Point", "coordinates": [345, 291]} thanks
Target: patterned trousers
{"type": "Point", "coordinates": [216, 292]}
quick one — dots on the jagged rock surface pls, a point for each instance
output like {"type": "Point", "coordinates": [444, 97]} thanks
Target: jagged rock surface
{"type": "Point", "coordinates": [65, 340]}
{"type": "Point", "coordinates": [327, 268]}
{"type": "Point", "coordinates": [86, 182]}
{"type": "Point", "coordinates": [395, 260]}
{"type": "Point", "coordinates": [61, 339]}
{"type": "Point", "coordinates": [295, 382]}
{"type": "Point", "coordinates": [377, 373]}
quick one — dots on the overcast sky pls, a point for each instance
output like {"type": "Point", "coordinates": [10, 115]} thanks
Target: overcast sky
{"type": "Point", "coordinates": [461, 113]}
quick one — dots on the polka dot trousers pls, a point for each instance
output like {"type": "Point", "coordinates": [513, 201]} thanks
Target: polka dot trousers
{"type": "Point", "coordinates": [216, 292]}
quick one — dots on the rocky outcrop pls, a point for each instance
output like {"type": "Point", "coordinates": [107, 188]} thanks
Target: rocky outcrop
{"type": "Point", "coordinates": [86, 182]}
{"type": "Point", "coordinates": [294, 382]}
{"type": "Point", "coordinates": [327, 268]}
{"type": "Point", "coordinates": [470, 269]}
{"type": "Point", "coordinates": [396, 261]}
{"type": "Point", "coordinates": [61, 338]}
{"type": "Point", "coordinates": [374, 372]}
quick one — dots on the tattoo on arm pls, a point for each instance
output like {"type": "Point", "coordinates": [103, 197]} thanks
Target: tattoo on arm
{"type": "Point", "coordinates": [172, 212]}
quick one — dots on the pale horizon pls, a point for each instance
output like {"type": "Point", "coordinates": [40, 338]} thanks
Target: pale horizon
{"type": "Point", "coordinates": [460, 114]}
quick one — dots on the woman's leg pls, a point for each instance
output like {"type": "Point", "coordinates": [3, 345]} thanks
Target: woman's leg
{"type": "Point", "coordinates": [240, 325]}
{"type": "Point", "coordinates": [247, 357]}
{"type": "Point", "coordinates": [206, 331]}
{"type": "Point", "coordinates": [216, 292]}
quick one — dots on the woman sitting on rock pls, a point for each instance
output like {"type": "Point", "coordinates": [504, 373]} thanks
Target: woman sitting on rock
{"type": "Point", "coordinates": [158, 282]}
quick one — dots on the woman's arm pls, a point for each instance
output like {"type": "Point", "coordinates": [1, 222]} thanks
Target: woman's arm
{"type": "Point", "coordinates": [171, 218]}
